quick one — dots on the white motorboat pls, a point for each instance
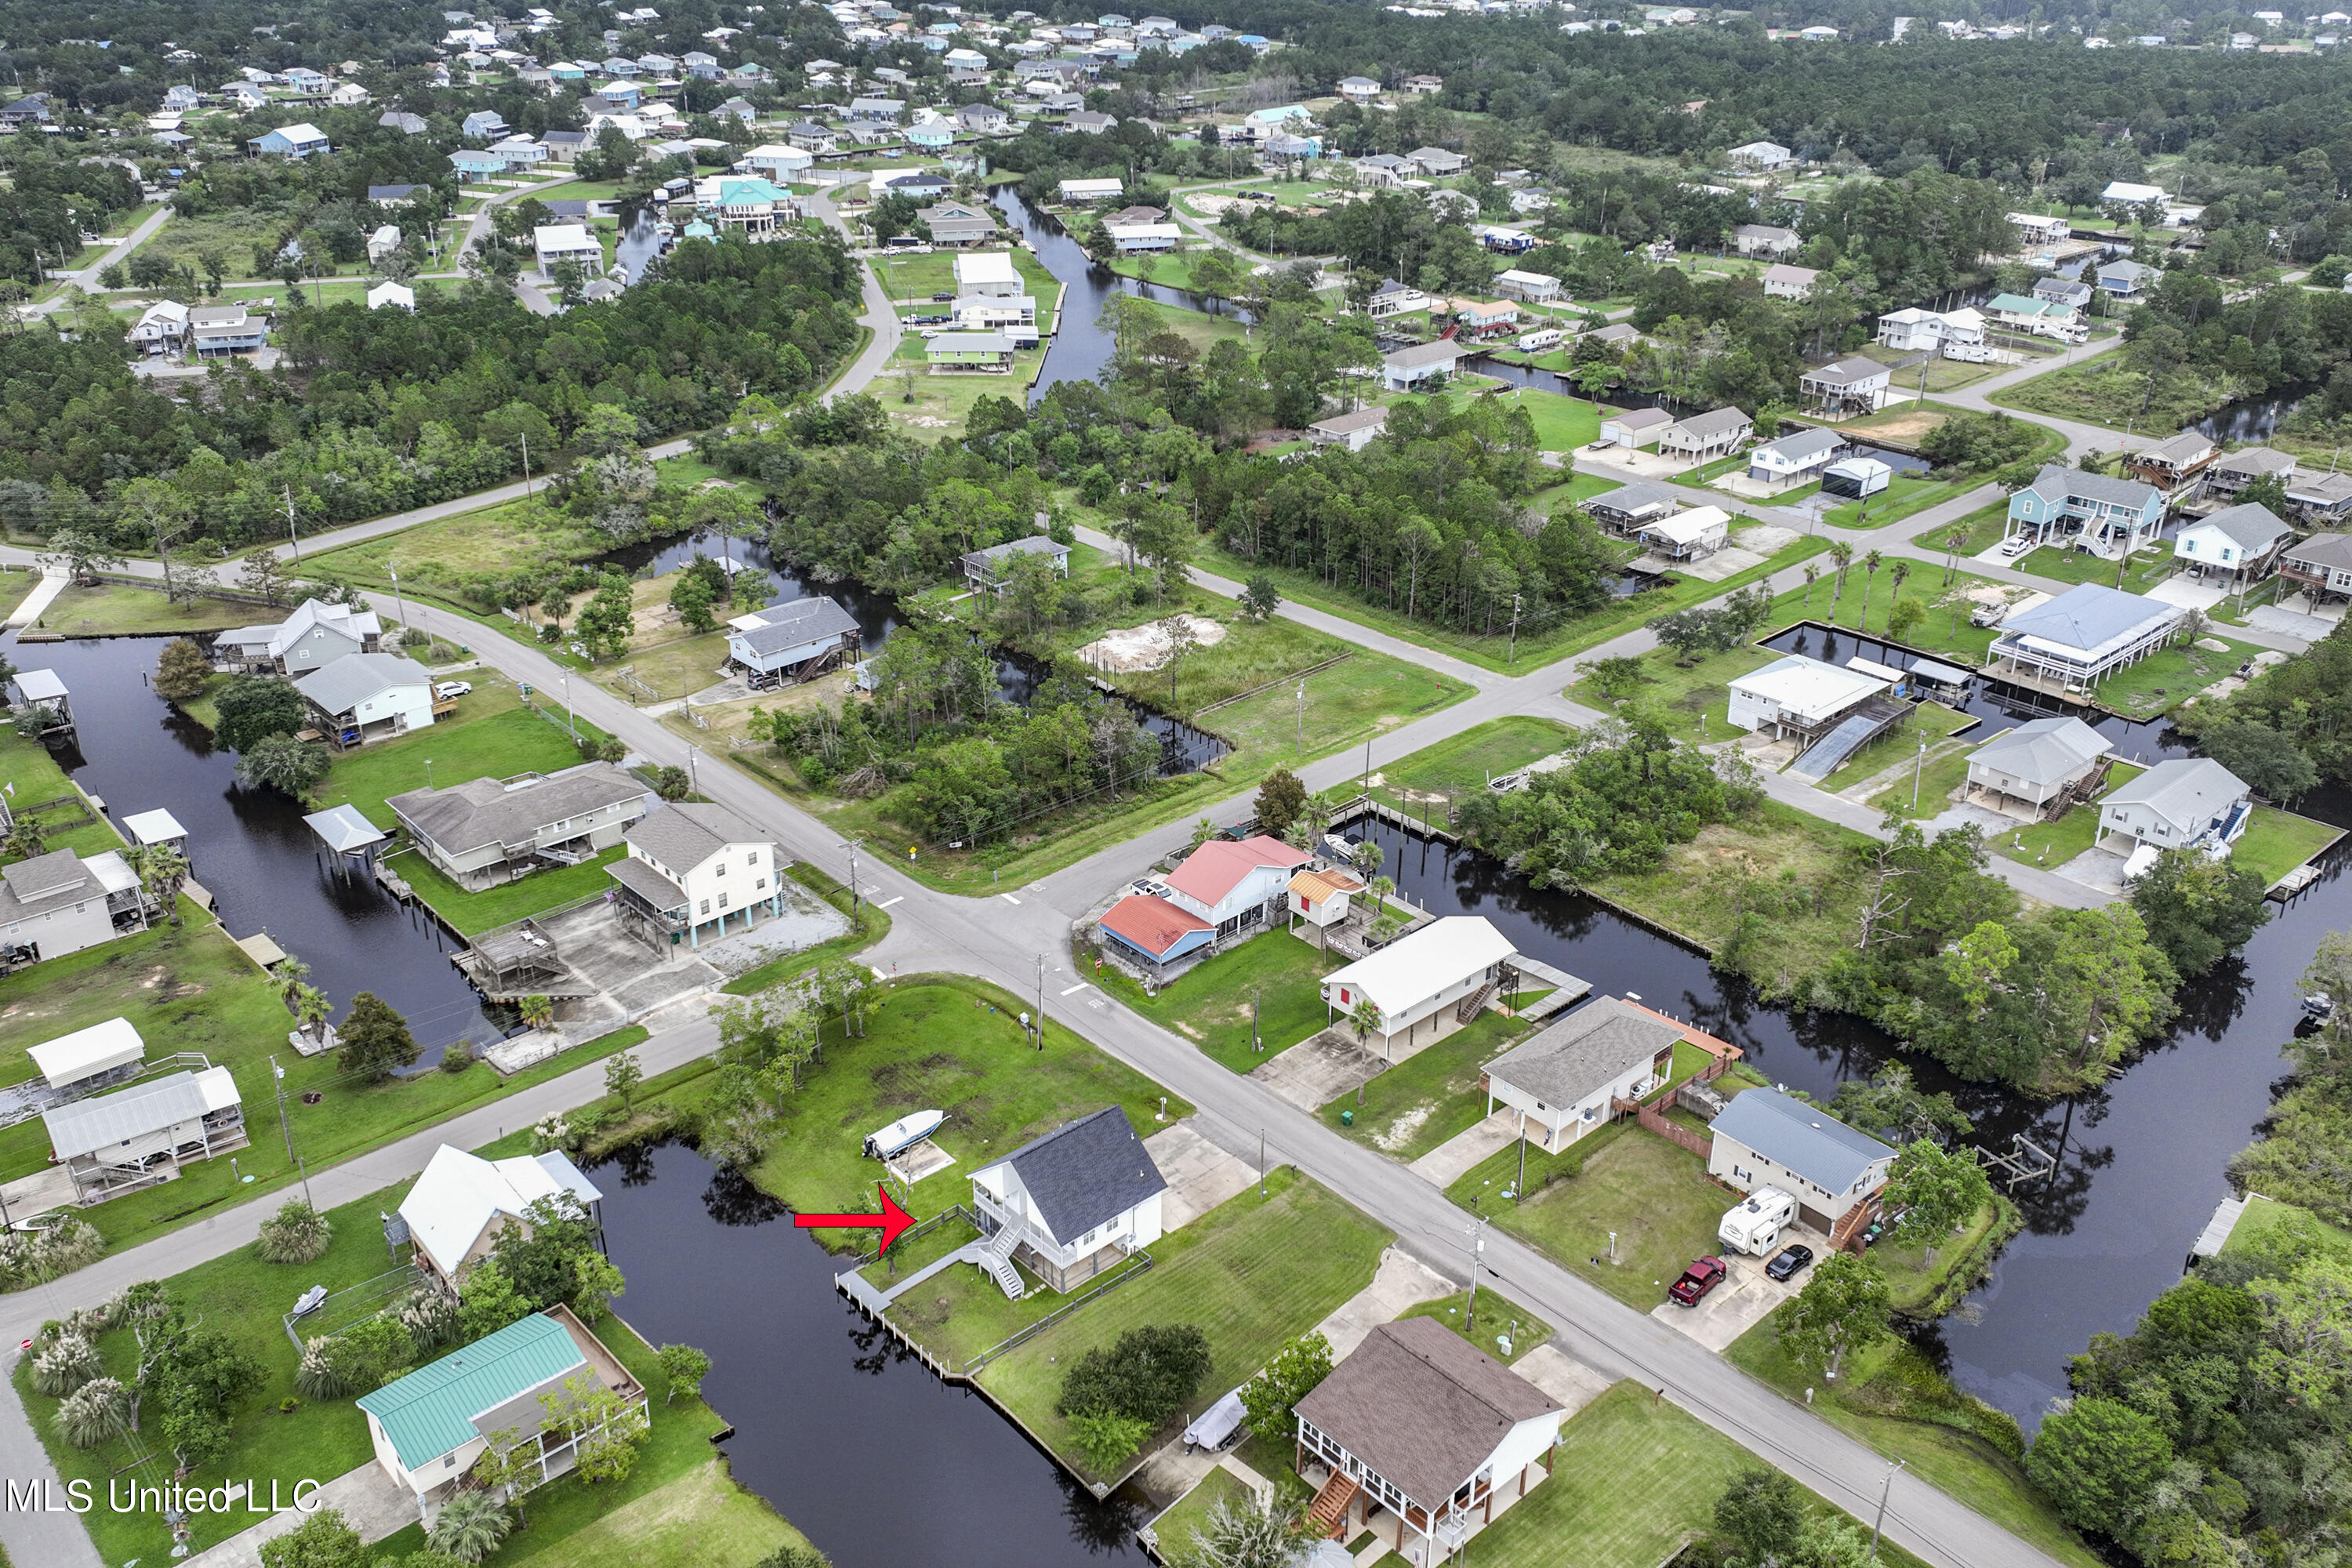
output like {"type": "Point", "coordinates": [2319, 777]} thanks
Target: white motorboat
{"type": "Point", "coordinates": [903, 1134]}
{"type": "Point", "coordinates": [1339, 846]}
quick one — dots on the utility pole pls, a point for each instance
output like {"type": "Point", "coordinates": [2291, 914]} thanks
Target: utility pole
{"type": "Point", "coordinates": [1041, 1001]}
{"type": "Point", "coordinates": [1477, 1246]}
{"type": "Point", "coordinates": [1514, 630]}
{"type": "Point", "coordinates": [693, 784]}
{"type": "Point", "coordinates": [1300, 749]}
{"type": "Point", "coordinates": [525, 434]}
{"type": "Point", "coordinates": [571, 719]}
{"type": "Point", "coordinates": [852, 847]}
{"type": "Point", "coordinates": [1880, 1524]}
{"type": "Point", "coordinates": [278, 1075]}
{"type": "Point", "coordinates": [1919, 767]}
{"type": "Point", "coordinates": [396, 599]}
{"type": "Point", "coordinates": [290, 537]}
{"type": "Point", "coordinates": [1367, 785]}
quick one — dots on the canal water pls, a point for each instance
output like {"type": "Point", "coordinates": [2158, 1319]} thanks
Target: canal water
{"type": "Point", "coordinates": [249, 847]}
{"type": "Point", "coordinates": [875, 1459]}
{"type": "Point", "coordinates": [2251, 420]}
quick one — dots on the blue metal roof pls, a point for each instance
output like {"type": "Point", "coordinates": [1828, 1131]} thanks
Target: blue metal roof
{"type": "Point", "coordinates": [1800, 1138]}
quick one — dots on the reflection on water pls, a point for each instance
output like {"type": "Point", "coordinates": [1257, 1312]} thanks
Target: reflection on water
{"type": "Point", "coordinates": [851, 1437]}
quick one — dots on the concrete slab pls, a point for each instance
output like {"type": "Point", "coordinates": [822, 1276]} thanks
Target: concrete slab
{"type": "Point", "coordinates": [1317, 1070]}
{"type": "Point", "coordinates": [1452, 1160]}
{"type": "Point", "coordinates": [1728, 561]}
{"type": "Point", "coordinates": [35, 603]}
{"type": "Point", "coordinates": [1562, 1376]}
{"type": "Point", "coordinates": [925, 1159]}
{"type": "Point", "coordinates": [45, 1189]}
{"type": "Point", "coordinates": [1200, 1175]}
{"type": "Point", "coordinates": [372, 1502]}
{"type": "Point", "coordinates": [1401, 1281]}
{"type": "Point", "coordinates": [2294, 623]}
{"type": "Point", "coordinates": [2187, 592]}
{"type": "Point", "coordinates": [807, 921]}
{"type": "Point", "coordinates": [2100, 868]}
{"type": "Point", "coordinates": [1739, 1303]}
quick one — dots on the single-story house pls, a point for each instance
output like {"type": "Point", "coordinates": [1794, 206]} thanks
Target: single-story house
{"type": "Point", "coordinates": [2172, 466]}
{"type": "Point", "coordinates": [2043, 763]}
{"type": "Point", "coordinates": [1764, 239]}
{"type": "Point", "coordinates": [298, 141]}
{"type": "Point", "coordinates": [1530, 288]}
{"type": "Point", "coordinates": [1321, 897]}
{"type": "Point", "coordinates": [1790, 458]}
{"type": "Point", "coordinates": [2238, 543]}
{"type": "Point", "coordinates": [2320, 500]}
{"type": "Point", "coordinates": [365, 696]}
{"type": "Point", "coordinates": [2230, 472]}
{"type": "Point", "coordinates": [1078, 192]}
{"type": "Point", "coordinates": [1563, 1081]}
{"type": "Point", "coordinates": [1355, 431]}
{"type": "Point", "coordinates": [784, 644]}
{"type": "Point", "coordinates": [2092, 511]}
{"type": "Point", "coordinates": [485, 831]}
{"type": "Point", "coordinates": [1847, 386]}
{"type": "Point", "coordinates": [1767, 1139]}
{"type": "Point", "coordinates": [1137, 238]}
{"type": "Point", "coordinates": [1761, 156]}
{"type": "Point", "coordinates": [674, 878]}
{"type": "Point", "coordinates": [1629, 506]}
{"type": "Point", "coordinates": [1070, 1204]}
{"type": "Point", "coordinates": [1154, 930]}
{"type": "Point", "coordinates": [1798, 698]}
{"type": "Point", "coordinates": [971, 353]}
{"type": "Point", "coordinates": [136, 1137]}
{"type": "Point", "coordinates": [89, 1059]}
{"type": "Point", "coordinates": [461, 1202]}
{"type": "Point", "coordinates": [57, 903]}
{"type": "Point", "coordinates": [2182, 802]}
{"type": "Point", "coordinates": [556, 243]}
{"type": "Point", "coordinates": [1422, 1438]}
{"type": "Point", "coordinates": [390, 296]}
{"type": "Point", "coordinates": [1359, 89]}
{"type": "Point", "coordinates": [958, 223]}
{"type": "Point", "coordinates": [1687, 536]}
{"type": "Point", "coordinates": [1714, 433]}
{"type": "Point", "coordinates": [1439, 975]}
{"type": "Point", "coordinates": [2322, 564]}
{"type": "Point", "coordinates": [1409, 369]}
{"type": "Point", "coordinates": [2124, 279]}
{"type": "Point", "coordinates": [429, 1428]}
{"type": "Point", "coordinates": [1782, 281]}
{"type": "Point", "coordinates": [315, 635]}
{"type": "Point", "coordinates": [1394, 298]}
{"type": "Point", "coordinates": [988, 571]}
{"type": "Point", "coordinates": [1635, 427]}
{"type": "Point", "coordinates": [2084, 635]}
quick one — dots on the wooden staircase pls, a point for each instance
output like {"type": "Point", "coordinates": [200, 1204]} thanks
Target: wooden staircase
{"type": "Point", "coordinates": [1326, 1518]}
{"type": "Point", "coordinates": [1471, 1004]}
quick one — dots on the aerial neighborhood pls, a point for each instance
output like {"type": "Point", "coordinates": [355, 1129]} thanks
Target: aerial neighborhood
{"type": "Point", "coordinates": [1464, 781]}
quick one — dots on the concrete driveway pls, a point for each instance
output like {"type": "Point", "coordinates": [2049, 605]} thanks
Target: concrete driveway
{"type": "Point", "coordinates": [1741, 1301]}
{"type": "Point", "coordinates": [1200, 1175]}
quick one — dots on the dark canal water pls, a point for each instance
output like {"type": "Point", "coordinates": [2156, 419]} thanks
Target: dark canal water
{"type": "Point", "coordinates": [2250, 420]}
{"type": "Point", "coordinates": [250, 848]}
{"type": "Point", "coordinates": [877, 1460]}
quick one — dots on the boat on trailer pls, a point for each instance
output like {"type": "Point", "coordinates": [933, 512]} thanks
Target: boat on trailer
{"type": "Point", "coordinates": [903, 1134]}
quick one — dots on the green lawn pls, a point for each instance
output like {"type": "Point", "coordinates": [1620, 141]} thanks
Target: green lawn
{"type": "Point", "coordinates": [1905, 494]}
{"type": "Point", "coordinates": [471, 914]}
{"type": "Point", "coordinates": [673, 669]}
{"type": "Point", "coordinates": [1654, 1195]}
{"type": "Point", "coordinates": [1418, 1104]}
{"type": "Point", "coordinates": [2055, 843]}
{"type": "Point", "coordinates": [1947, 770]}
{"type": "Point", "coordinates": [2144, 570]}
{"type": "Point", "coordinates": [1562, 424]}
{"type": "Point", "coordinates": [119, 609]}
{"type": "Point", "coordinates": [1983, 528]}
{"type": "Point", "coordinates": [1253, 1274]}
{"type": "Point", "coordinates": [2267, 1218]}
{"type": "Point", "coordinates": [1929, 721]}
{"type": "Point", "coordinates": [491, 735]}
{"type": "Point", "coordinates": [1498, 1315]}
{"type": "Point", "coordinates": [1464, 765]}
{"type": "Point", "coordinates": [2106, 391]}
{"type": "Point", "coordinates": [1692, 700]}
{"type": "Point", "coordinates": [1210, 1004]}
{"type": "Point", "coordinates": [1868, 600]}
{"type": "Point", "coordinates": [2164, 678]}
{"type": "Point", "coordinates": [1925, 1288]}
{"type": "Point", "coordinates": [1173, 1532]}
{"type": "Point", "coordinates": [1893, 1399]}
{"type": "Point", "coordinates": [32, 772]}
{"type": "Point", "coordinates": [444, 554]}
{"type": "Point", "coordinates": [1634, 1478]}
{"type": "Point", "coordinates": [2275, 842]}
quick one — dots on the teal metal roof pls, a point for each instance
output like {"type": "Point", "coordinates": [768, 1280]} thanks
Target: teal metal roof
{"type": "Point", "coordinates": [431, 1412]}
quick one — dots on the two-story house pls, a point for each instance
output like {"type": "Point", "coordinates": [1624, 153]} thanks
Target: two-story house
{"type": "Point", "coordinates": [2106, 517]}
{"type": "Point", "coordinates": [485, 831]}
{"type": "Point", "coordinates": [1426, 983]}
{"type": "Point", "coordinates": [2322, 564]}
{"type": "Point", "coordinates": [783, 644]}
{"type": "Point", "coordinates": [1765, 240]}
{"type": "Point", "coordinates": [2182, 802]}
{"type": "Point", "coordinates": [57, 903]}
{"type": "Point", "coordinates": [691, 867]}
{"type": "Point", "coordinates": [216, 330]}
{"type": "Point", "coordinates": [2239, 545]}
{"type": "Point", "coordinates": [1233, 884]}
{"type": "Point", "coordinates": [1069, 1204]}
{"type": "Point", "coordinates": [365, 696]}
{"type": "Point", "coordinates": [316, 635]}
{"type": "Point", "coordinates": [1847, 386]}
{"type": "Point", "coordinates": [2173, 465]}
{"type": "Point", "coordinates": [1832, 1170]}
{"type": "Point", "coordinates": [990, 570]}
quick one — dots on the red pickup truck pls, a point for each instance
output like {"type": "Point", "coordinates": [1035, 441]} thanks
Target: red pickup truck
{"type": "Point", "coordinates": [1698, 1279]}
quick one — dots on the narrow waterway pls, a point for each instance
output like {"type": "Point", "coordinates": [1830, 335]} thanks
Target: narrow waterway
{"type": "Point", "coordinates": [880, 1463]}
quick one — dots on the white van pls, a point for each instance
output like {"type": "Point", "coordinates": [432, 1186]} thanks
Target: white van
{"type": "Point", "coordinates": [1753, 1228]}
{"type": "Point", "coordinates": [1535, 343]}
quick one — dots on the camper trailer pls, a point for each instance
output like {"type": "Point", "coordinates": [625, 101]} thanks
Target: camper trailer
{"type": "Point", "coordinates": [1753, 1228]}
{"type": "Point", "coordinates": [1537, 342]}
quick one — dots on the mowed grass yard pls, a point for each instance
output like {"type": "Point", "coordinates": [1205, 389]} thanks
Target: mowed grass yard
{"type": "Point", "coordinates": [1279, 973]}
{"type": "Point", "coordinates": [1253, 1274]}
{"type": "Point", "coordinates": [120, 609]}
{"type": "Point", "coordinates": [1463, 765]}
{"type": "Point", "coordinates": [1411, 1107]}
{"type": "Point", "coordinates": [1691, 699]}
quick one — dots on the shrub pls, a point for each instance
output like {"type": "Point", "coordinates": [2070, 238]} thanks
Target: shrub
{"type": "Point", "coordinates": [97, 1411]}
{"type": "Point", "coordinates": [64, 1365]}
{"type": "Point", "coordinates": [1145, 1377]}
{"type": "Point", "coordinates": [297, 1233]}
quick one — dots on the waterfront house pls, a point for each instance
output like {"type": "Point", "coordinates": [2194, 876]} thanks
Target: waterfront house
{"type": "Point", "coordinates": [1790, 458]}
{"type": "Point", "coordinates": [2182, 802]}
{"type": "Point", "coordinates": [557, 243]}
{"type": "Point", "coordinates": [2106, 516]}
{"type": "Point", "coordinates": [365, 696]}
{"type": "Point", "coordinates": [989, 571]}
{"type": "Point", "coordinates": [1422, 1440]}
{"type": "Point", "coordinates": [1714, 433]}
{"type": "Point", "coordinates": [957, 224]}
{"type": "Point", "coordinates": [1414, 367]}
{"type": "Point", "coordinates": [1528, 288]}
{"type": "Point", "coordinates": [2172, 466]}
{"type": "Point", "coordinates": [691, 865]}
{"type": "Point", "coordinates": [136, 1137]}
{"type": "Point", "coordinates": [2237, 545]}
{"type": "Point", "coordinates": [1564, 1080]}
{"type": "Point", "coordinates": [2124, 279]}
{"type": "Point", "coordinates": [2230, 472]}
{"type": "Point", "coordinates": [970, 354]}
{"type": "Point", "coordinates": [988, 273]}
{"type": "Point", "coordinates": [1846, 388]}
{"type": "Point", "coordinates": [1635, 427]}
{"type": "Point", "coordinates": [1235, 884]}
{"type": "Point", "coordinates": [429, 1428]}
{"type": "Point", "coordinates": [2038, 769]}
{"type": "Point", "coordinates": [1687, 536]}
{"type": "Point", "coordinates": [1321, 897]}
{"type": "Point", "coordinates": [1425, 984]}
{"type": "Point", "coordinates": [1436, 162]}
{"type": "Point", "coordinates": [2322, 564]}
{"type": "Point", "coordinates": [487, 831]}
{"type": "Point", "coordinates": [1068, 1206]}
{"type": "Point", "coordinates": [461, 1202]}
{"type": "Point", "coordinates": [2084, 635]}
{"type": "Point", "coordinates": [2071, 292]}
{"type": "Point", "coordinates": [782, 644]}
{"type": "Point", "coordinates": [2040, 228]}
{"type": "Point", "coordinates": [316, 634]}
{"type": "Point", "coordinates": [1629, 506]}
{"type": "Point", "coordinates": [1764, 1138]}
{"type": "Point", "coordinates": [1355, 431]}
{"type": "Point", "coordinates": [1765, 240]}
{"type": "Point", "coordinates": [1086, 192]}
{"type": "Point", "coordinates": [57, 903]}
{"type": "Point", "coordinates": [2320, 500]}
{"type": "Point", "coordinates": [1800, 699]}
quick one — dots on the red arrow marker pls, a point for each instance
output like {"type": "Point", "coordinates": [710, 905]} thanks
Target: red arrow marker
{"type": "Point", "coordinates": [891, 1220]}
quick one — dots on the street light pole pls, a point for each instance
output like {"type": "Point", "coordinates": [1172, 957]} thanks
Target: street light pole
{"type": "Point", "coordinates": [1884, 1492]}
{"type": "Point", "coordinates": [396, 599]}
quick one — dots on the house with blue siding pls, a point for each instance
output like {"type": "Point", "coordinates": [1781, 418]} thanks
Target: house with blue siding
{"type": "Point", "coordinates": [298, 141]}
{"type": "Point", "coordinates": [2090, 511]}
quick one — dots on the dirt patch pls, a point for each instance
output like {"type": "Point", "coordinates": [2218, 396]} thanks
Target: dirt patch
{"type": "Point", "coordinates": [1131, 649]}
{"type": "Point", "coordinates": [1401, 1132]}
{"type": "Point", "coordinates": [1902, 426]}
{"type": "Point", "coordinates": [155, 978]}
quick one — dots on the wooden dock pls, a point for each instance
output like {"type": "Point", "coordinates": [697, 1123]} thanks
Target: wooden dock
{"type": "Point", "coordinates": [394, 883]}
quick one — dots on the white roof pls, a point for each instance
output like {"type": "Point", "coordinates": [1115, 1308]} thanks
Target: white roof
{"type": "Point", "coordinates": [986, 266]}
{"type": "Point", "coordinates": [564, 236]}
{"type": "Point", "coordinates": [1807, 687]}
{"type": "Point", "coordinates": [2124, 191]}
{"type": "Point", "coordinates": [461, 1196]}
{"type": "Point", "coordinates": [40, 685]}
{"type": "Point", "coordinates": [1144, 231]}
{"type": "Point", "coordinates": [391, 293]}
{"type": "Point", "coordinates": [86, 1053]}
{"type": "Point", "coordinates": [156, 827]}
{"type": "Point", "coordinates": [85, 1126]}
{"type": "Point", "coordinates": [1513, 275]}
{"type": "Point", "coordinates": [1693, 524]}
{"type": "Point", "coordinates": [113, 872]}
{"type": "Point", "coordinates": [1417, 967]}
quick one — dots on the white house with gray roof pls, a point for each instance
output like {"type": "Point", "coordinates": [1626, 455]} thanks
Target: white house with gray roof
{"type": "Point", "coordinates": [317, 634]}
{"type": "Point", "coordinates": [2238, 544]}
{"type": "Point", "coordinates": [1561, 1082]}
{"type": "Point", "coordinates": [365, 696]}
{"type": "Point", "coordinates": [2024, 771]}
{"type": "Point", "coordinates": [990, 570]}
{"type": "Point", "coordinates": [1767, 1139]}
{"type": "Point", "coordinates": [1628, 507]}
{"type": "Point", "coordinates": [783, 644]}
{"type": "Point", "coordinates": [1848, 386]}
{"type": "Point", "coordinates": [2084, 635]}
{"type": "Point", "coordinates": [487, 831]}
{"type": "Point", "coordinates": [1710, 435]}
{"type": "Point", "coordinates": [1409, 369]}
{"type": "Point", "coordinates": [2322, 564]}
{"type": "Point", "coordinates": [1070, 1204]}
{"type": "Point", "coordinates": [1765, 240]}
{"type": "Point", "coordinates": [57, 903]}
{"type": "Point", "coordinates": [691, 865]}
{"type": "Point", "coordinates": [2182, 802]}
{"type": "Point", "coordinates": [1791, 457]}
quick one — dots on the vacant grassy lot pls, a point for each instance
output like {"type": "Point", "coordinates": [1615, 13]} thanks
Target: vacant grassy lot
{"type": "Point", "coordinates": [1175, 1529]}
{"type": "Point", "coordinates": [2165, 678]}
{"type": "Point", "coordinates": [2107, 391]}
{"type": "Point", "coordinates": [1905, 494]}
{"type": "Point", "coordinates": [1654, 1195]}
{"type": "Point", "coordinates": [443, 554]}
{"type": "Point", "coordinates": [1277, 974]}
{"type": "Point", "coordinates": [1253, 1274]}
{"type": "Point", "coordinates": [1866, 603]}
{"type": "Point", "coordinates": [1463, 765]}
{"type": "Point", "coordinates": [1414, 1106]}
{"type": "Point", "coordinates": [119, 608]}
{"type": "Point", "coordinates": [491, 735]}
{"type": "Point", "coordinates": [1692, 700]}
{"type": "Point", "coordinates": [1982, 529]}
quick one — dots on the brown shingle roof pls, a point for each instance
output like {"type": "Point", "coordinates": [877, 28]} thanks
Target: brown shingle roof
{"type": "Point", "coordinates": [1422, 1406]}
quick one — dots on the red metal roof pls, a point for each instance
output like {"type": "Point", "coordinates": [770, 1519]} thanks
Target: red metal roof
{"type": "Point", "coordinates": [1217, 868]}
{"type": "Point", "coordinates": [1153, 925]}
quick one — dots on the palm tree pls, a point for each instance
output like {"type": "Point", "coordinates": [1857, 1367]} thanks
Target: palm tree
{"type": "Point", "coordinates": [1813, 575]}
{"type": "Point", "coordinates": [538, 1012]}
{"type": "Point", "coordinates": [310, 1007]}
{"type": "Point", "coordinates": [1952, 542]}
{"type": "Point", "coordinates": [26, 839]}
{"type": "Point", "coordinates": [468, 1527]}
{"type": "Point", "coordinates": [1842, 555]}
{"type": "Point", "coordinates": [1900, 570]}
{"type": "Point", "coordinates": [161, 870]}
{"type": "Point", "coordinates": [1870, 565]}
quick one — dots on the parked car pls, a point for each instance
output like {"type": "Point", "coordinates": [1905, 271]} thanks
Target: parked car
{"type": "Point", "coordinates": [1700, 1277]}
{"type": "Point", "coordinates": [2017, 544]}
{"type": "Point", "coordinates": [947, 299]}
{"type": "Point", "coordinates": [448, 691]}
{"type": "Point", "coordinates": [1792, 1259]}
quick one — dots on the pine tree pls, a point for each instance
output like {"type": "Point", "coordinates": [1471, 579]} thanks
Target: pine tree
{"type": "Point", "coordinates": [180, 672]}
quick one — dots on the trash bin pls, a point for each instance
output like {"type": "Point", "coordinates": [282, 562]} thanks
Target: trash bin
{"type": "Point", "coordinates": [1346, 1118]}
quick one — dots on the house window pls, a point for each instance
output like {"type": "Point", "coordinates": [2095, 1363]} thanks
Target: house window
{"type": "Point", "coordinates": [722, 901]}
{"type": "Point", "coordinates": [762, 883]}
{"type": "Point", "coordinates": [705, 906]}
{"type": "Point", "coordinates": [723, 868]}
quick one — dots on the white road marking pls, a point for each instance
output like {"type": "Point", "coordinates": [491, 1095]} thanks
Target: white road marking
{"type": "Point", "coordinates": [1081, 985]}
{"type": "Point", "coordinates": [899, 900]}
{"type": "Point", "coordinates": [1009, 899]}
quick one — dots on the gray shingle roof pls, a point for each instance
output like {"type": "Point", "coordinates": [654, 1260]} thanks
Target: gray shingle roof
{"type": "Point", "coordinates": [801, 621]}
{"type": "Point", "coordinates": [684, 835]}
{"type": "Point", "coordinates": [647, 883]}
{"type": "Point", "coordinates": [1804, 444]}
{"type": "Point", "coordinates": [45, 876]}
{"type": "Point", "coordinates": [1714, 422]}
{"type": "Point", "coordinates": [1035, 544]}
{"type": "Point", "coordinates": [2253, 526]}
{"type": "Point", "coordinates": [2056, 483]}
{"type": "Point", "coordinates": [1636, 497]}
{"type": "Point", "coordinates": [1422, 1406]}
{"type": "Point", "coordinates": [2045, 751]}
{"type": "Point", "coordinates": [486, 811]}
{"type": "Point", "coordinates": [339, 687]}
{"type": "Point", "coordinates": [1800, 1138]}
{"type": "Point", "coordinates": [1846, 372]}
{"type": "Point", "coordinates": [2330, 550]}
{"type": "Point", "coordinates": [2182, 790]}
{"type": "Point", "coordinates": [2254, 460]}
{"type": "Point", "coordinates": [1594, 1046]}
{"type": "Point", "coordinates": [2185, 448]}
{"type": "Point", "coordinates": [1443, 352]}
{"type": "Point", "coordinates": [1086, 1172]}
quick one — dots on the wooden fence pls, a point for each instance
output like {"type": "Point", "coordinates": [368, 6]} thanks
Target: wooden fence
{"type": "Point", "coordinates": [1698, 1143]}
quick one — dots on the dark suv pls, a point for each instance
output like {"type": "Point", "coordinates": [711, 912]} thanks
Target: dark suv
{"type": "Point", "coordinates": [1698, 1279]}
